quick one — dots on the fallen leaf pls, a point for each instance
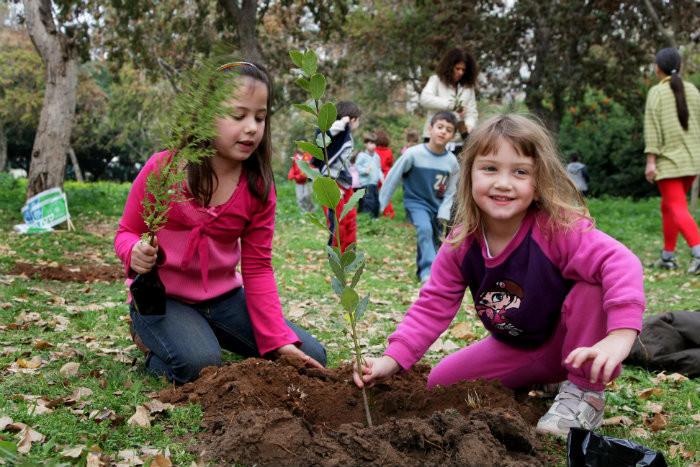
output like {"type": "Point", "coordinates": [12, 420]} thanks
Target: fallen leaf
{"type": "Point", "coordinates": [4, 422]}
{"type": "Point", "coordinates": [93, 459]}
{"type": "Point", "coordinates": [158, 406]}
{"type": "Point", "coordinates": [619, 420]}
{"type": "Point", "coordinates": [658, 423]}
{"type": "Point", "coordinates": [74, 452]}
{"type": "Point", "coordinates": [676, 377]}
{"type": "Point", "coordinates": [461, 330]}
{"type": "Point", "coordinates": [696, 417]}
{"type": "Point", "coordinates": [639, 432]}
{"type": "Point", "coordinates": [27, 437]}
{"type": "Point", "coordinates": [449, 346]}
{"type": "Point", "coordinates": [69, 369]}
{"type": "Point", "coordinates": [654, 407]}
{"type": "Point", "coordinates": [41, 345]}
{"type": "Point", "coordinates": [647, 393]}
{"type": "Point", "coordinates": [160, 461]}
{"type": "Point", "coordinates": [32, 364]}
{"type": "Point", "coordinates": [140, 418]}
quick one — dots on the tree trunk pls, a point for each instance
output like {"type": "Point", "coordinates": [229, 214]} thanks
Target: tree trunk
{"type": "Point", "coordinates": [245, 17]}
{"type": "Point", "coordinates": [3, 148]}
{"type": "Point", "coordinates": [59, 54]}
{"type": "Point", "coordinates": [76, 166]}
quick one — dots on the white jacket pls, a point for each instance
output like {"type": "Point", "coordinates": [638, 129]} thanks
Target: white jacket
{"type": "Point", "coordinates": [436, 96]}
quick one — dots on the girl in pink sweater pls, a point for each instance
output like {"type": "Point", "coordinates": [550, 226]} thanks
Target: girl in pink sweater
{"type": "Point", "coordinates": [562, 301]}
{"type": "Point", "coordinates": [227, 222]}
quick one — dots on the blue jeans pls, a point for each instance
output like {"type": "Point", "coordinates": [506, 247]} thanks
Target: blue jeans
{"type": "Point", "coordinates": [428, 231]}
{"type": "Point", "coordinates": [189, 337]}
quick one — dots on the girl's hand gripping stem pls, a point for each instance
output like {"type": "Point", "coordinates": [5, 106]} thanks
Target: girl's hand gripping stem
{"type": "Point", "coordinates": [375, 370]}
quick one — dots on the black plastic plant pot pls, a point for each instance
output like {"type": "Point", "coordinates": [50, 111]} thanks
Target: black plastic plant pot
{"type": "Point", "coordinates": [148, 293]}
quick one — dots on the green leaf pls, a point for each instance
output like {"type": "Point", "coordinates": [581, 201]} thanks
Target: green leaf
{"type": "Point", "coordinates": [318, 86]}
{"type": "Point", "coordinates": [358, 274]}
{"type": "Point", "coordinates": [315, 220]}
{"type": "Point", "coordinates": [354, 199]}
{"type": "Point", "coordinates": [309, 171]}
{"type": "Point", "coordinates": [310, 63]}
{"type": "Point", "coordinates": [337, 286]}
{"type": "Point", "coordinates": [320, 139]}
{"type": "Point", "coordinates": [349, 300]}
{"type": "Point", "coordinates": [333, 252]}
{"type": "Point", "coordinates": [297, 57]}
{"type": "Point", "coordinates": [348, 258]}
{"type": "Point", "coordinates": [337, 270]}
{"type": "Point", "coordinates": [305, 108]}
{"type": "Point", "coordinates": [361, 308]}
{"type": "Point", "coordinates": [311, 148]}
{"type": "Point", "coordinates": [358, 260]}
{"type": "Point", "coordinates": [303, 83]}
{"type": "Point", "coordinates": [327, 115]}
{"type": "Point", "coordinates": [327, 192]}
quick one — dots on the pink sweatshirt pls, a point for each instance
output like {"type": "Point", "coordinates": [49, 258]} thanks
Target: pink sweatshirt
{"type": "Point", "coordinates": [518, 294]}
{"type": "Point", "coordinates": [203, 247]}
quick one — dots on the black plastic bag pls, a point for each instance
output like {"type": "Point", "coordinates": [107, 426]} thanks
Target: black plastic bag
{"type": "Point", "coordinates": [589, 449]}
{"type": "Point", "coordinates": [148, 293]}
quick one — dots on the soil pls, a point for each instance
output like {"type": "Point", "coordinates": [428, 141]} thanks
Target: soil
{"type": "Point", "coordinates": [259, 412]}
{"type": "Point", "coordinates": [280, 413]}
{"type": "Point", "coordinates": [70, 272]}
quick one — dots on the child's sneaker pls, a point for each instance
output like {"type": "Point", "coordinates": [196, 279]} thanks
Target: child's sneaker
{"type": "Point", "coordinates": [665, 263]}
{"type": "Point", "coordinates": [694, 266]}
{"type": "Point", "coordinates": [574, 406]}
{"type": "Point", "coordinates": [545, 390]}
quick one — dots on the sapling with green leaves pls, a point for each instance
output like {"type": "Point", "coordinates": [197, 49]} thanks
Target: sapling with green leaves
{"type": "Point", "coordinates": [346, 266]}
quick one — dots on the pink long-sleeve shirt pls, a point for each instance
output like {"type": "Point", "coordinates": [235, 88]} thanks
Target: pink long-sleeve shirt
{"type": "Point", "coordinates": [203, 247]}
{"type": "Point", "coordinates": [518, 294]}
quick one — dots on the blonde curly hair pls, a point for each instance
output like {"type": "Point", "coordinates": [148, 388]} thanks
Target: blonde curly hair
{"type": "Point", "coordinates": [555, 193]}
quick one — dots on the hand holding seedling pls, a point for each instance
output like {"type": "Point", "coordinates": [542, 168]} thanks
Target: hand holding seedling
{"type": "Point", "coordinates": [375, 370]}
{"type": "Point", "coordinates": [143, 256]}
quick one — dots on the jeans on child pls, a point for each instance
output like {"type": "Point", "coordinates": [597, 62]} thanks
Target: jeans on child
{"type": "Point", "coordinates": [428, 238]}
{"type": "Point", "coordinates": [189, 337]}
{"type": "Point", "coordinates": [369, 203]}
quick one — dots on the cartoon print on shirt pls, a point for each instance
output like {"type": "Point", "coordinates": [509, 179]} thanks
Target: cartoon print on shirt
{"type": "Point", "coordinates": [494, 302]}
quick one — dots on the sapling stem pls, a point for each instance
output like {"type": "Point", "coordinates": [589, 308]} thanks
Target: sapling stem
{"type": "Point", "coordinates": [342, 263]}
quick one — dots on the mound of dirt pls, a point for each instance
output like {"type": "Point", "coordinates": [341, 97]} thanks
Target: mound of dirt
{"type": "Point", "coordinates": [71, 272]}
{"type": "Point", "coordinates": [281, 413]}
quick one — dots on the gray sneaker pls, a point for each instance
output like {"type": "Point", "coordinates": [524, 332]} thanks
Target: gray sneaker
{"type": "Point", "coordinates": [665, 263]}
{"type": "Point", "coordinates": [694, 266]}
{"type": "Point", "coordinates": [574, 406]}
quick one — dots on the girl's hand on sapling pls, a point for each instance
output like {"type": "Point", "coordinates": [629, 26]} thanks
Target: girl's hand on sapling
{"type": "Point", "coordinates": [375, 370]}
{"type": "Point", "coordinates": [143, 256]}
{"type": "Point", "coordinates": [606, 354]}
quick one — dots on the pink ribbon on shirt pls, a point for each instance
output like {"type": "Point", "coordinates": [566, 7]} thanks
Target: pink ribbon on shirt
{"type": "Point", "coordinates": [198, 241]}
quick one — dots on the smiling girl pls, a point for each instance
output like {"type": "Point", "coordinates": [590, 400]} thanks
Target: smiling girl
{"type": "Point", "coordinates": [228, 221]}
{"type": "Point", "coordinates": [562, 301]}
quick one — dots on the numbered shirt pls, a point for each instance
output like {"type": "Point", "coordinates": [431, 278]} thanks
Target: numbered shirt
{"type": "Point", "coordinates": [429, 180]}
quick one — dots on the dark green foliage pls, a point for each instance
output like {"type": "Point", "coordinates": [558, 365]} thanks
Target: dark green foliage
{"type": "Point", "coordinates": [610, 141]}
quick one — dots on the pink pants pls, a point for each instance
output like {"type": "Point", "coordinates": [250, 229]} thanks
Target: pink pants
{"type": "Point", "coordinates": [582, 324]}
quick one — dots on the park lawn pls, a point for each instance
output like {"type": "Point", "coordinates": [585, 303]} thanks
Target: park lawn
{"type": "Point", "coordinates": [69, 371]}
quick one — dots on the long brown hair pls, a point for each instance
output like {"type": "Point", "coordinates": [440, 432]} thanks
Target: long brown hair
{"type": "Point", "coordinates": [669, 61]}
{"type": "Point", "coordinates": [556, 194]}
{"type": "Point", "coordinates": [445, 69]}
{"type": "Point", "coordinates": [258, 167]}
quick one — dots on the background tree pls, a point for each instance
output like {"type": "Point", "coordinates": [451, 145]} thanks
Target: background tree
{"type": "Point", "coordinates": [59, 44]}
{"type": "Point", "coordinates": [21, 90]}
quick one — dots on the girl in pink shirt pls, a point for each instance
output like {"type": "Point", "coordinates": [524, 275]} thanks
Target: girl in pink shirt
{"type": "Point", "coordinates": [562, 301]}
{"type": "Point", "coordinates": [227, 222]}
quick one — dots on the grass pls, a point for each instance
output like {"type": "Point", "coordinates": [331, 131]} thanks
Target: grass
{"type": "Point", "coordinates": [45, 325]}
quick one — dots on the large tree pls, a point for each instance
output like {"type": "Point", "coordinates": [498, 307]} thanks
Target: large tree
{"type": "Point", "coordinates": [59, 49]}
{"type": "Point", "coordinates": [554, 50]}
{"type": "Point", "coordinates": [21, 87]}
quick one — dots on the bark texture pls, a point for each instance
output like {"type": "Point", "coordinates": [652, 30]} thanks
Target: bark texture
{"type": "Point", "coordinates": [60, 56]}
